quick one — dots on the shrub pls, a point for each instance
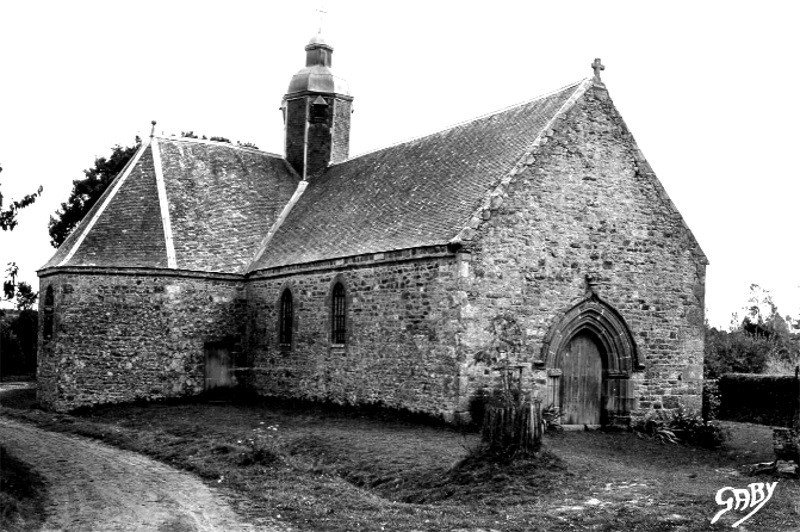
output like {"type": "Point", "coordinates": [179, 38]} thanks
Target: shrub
{"type": "Point", "coordinates": [764, 399]}
{"type": "Point", "coordinates": [18, 342]}
{"type": "Point", "coordinates": [711, 399]}
{"type": "Point", "coordinates": [681, 425]}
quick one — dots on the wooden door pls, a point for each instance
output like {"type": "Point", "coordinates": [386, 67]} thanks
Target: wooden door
{"type": "Point", "coordinates": [218, 366]}
{"type": "Point", "coordinates": [581, 381]}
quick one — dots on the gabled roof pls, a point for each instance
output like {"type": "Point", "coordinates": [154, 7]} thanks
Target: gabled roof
{"type": "Point", "coordinates": [183, 204]}
{"type": "Point", "coordinates": [419, 193]}
{"type": "Point", "coordinates": [202, 206]}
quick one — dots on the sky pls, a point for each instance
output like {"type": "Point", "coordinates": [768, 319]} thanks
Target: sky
{"type": "Point", "coordinates": [708, 90]}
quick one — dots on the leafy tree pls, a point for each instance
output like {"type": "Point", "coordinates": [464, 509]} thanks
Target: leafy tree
{"type": "Point", "coordinates": [8, 221]}
{"type": "Point", "coordinates": [8, 216]}
{"type": "Point", "coordinates": [86, 192]}
{"type": "Point", "coordinates": [18, 337]}
{"type": "Point", "coordinates": [762, 341]}
{"type": "Point", "coordinates": [26, 297]}
{"type": "Point", "coordinates": [10, 284]}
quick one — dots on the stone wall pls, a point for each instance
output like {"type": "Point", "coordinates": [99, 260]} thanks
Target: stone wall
{"type": "Point", "coordinates": [585, 214]}
{"type": "Point", "coordinates": [342, 111]}
{"type": "Point", "coordinates": [121, 337]}
{"type": "Point", "coordinates": [401, 326]}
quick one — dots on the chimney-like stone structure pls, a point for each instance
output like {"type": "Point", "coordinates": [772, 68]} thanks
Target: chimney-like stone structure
{"type": "Point", "coordinates": [316, 113]}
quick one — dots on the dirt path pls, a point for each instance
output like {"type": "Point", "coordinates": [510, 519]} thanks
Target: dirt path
{"type": "Point", "coordinates": [96, 487]}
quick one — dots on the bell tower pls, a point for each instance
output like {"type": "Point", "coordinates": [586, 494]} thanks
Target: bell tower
{"type": "Point", "coordinates": [316, 113]}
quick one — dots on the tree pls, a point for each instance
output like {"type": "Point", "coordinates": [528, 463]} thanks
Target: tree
{"type": "Point", "coordinates": [8, 217]}
{"type": "Point", "coordinates": [17, 338]}
{"type": "Point", "coordinates": [8, 221]}
{"type": "Point", "coordinates": [26, 297]}
{"type": "Point", "coordinates": [86, 191]}
{"type": "Point", "coordinates": [761, 342]}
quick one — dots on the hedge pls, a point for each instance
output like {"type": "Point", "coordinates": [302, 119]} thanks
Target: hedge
{"type": "Point", "coordinates": [764, 399]}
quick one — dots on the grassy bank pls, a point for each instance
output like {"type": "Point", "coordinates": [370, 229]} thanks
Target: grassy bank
{"type": "Point", "coordinates": [22, 495]}
{"type": "Point", "coordinates": [321, 469]}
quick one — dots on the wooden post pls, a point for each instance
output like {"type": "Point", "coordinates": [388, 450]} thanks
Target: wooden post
{"type": "Point", "coordinates": [513, 429]}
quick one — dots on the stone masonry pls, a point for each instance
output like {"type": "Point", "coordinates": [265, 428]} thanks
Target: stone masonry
{"type": "Point", "coordinates": [519, 239]}
{"type": "Point", "coordinates": [400, 351]}
{"type": "Point", "coordinates": [585, 212]}
{"type": "Point", "coordinates": [426, 334]}
{"type": "Point", "coordinates": [135, 336]}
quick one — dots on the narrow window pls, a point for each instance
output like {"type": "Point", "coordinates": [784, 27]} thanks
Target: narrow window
{"type": "Point", "coordinates": [47, 329]}
{"type": "Point", "coordinates": [338, 328]}
{"type": "Point", "coordinates": [285, 319]}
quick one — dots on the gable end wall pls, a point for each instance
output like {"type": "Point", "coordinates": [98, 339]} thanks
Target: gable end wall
{"type": "Point", "coordinates": [585, 207]}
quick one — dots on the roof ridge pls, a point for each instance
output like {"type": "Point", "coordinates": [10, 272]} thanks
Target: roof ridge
{"type": "Point", "coordinates": [163, 204]}
{"type": "Point", "coordinates": [217, 143]}
{"type": "Point", "coordinates": [465, 122]}
{"type": "Point", "coordinates": [301, 187]}
{"type": "Point", "coordinates": [493, 199]}
{"type": "Point", "coordinates": [113, 188]}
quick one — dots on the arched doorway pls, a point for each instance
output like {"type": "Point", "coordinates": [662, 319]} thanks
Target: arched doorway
{"type": "Point", "coordinates": [590, 356]}
{"type": "Point", "coordinates": [581, 366]}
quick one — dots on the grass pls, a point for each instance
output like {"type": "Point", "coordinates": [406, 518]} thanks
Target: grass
{"type": "Point", "coordinates": [22, 495]}
{"type": "Point", "coordinates": [323, 469]}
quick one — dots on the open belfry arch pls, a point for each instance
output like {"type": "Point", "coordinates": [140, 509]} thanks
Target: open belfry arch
{"type": "Point", "coordinates": [590, 356]}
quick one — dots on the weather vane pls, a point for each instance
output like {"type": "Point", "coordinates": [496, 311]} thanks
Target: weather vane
{"type": "Point", "coordinates": [322, 13]}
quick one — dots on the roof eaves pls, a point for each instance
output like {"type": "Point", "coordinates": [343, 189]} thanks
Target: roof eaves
{"type": "Point", "coordinates": [493, 199]}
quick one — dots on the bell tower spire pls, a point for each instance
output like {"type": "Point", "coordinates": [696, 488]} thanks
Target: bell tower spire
{"type": "Point", "coordinates": [317, 109]}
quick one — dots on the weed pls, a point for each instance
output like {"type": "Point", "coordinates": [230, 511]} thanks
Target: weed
{"type": "Point", "coordinates": [262, 447]}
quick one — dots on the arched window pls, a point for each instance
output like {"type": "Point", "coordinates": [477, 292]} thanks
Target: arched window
{"type": "Point", "coordinates": [285, 319]}
{"type": "Point", "coordinates": [338, 315]}
{"type": "Point", "coordinates": [49, 301]}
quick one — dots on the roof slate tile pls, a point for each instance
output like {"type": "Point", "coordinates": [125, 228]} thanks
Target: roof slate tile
{"type": "Point", "coordinates": [222, 201]}
{"type": "Point", "coordinates": [414, 194]}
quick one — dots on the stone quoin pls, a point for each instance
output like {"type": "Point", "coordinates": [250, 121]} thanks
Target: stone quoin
{"type": "Point", "coordinates": [537, 236]}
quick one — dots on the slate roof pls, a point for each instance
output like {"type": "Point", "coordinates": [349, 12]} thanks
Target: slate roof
{"type": "Point", "coordinates": [418, 193]}
{"type": "Point", "coordinates": [218, 202]}
{"type": "Point", "coordinates": [221, 201]}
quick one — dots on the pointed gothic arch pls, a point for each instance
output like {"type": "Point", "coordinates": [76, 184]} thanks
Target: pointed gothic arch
{"type": "Point", "coordinates": [596, 324]}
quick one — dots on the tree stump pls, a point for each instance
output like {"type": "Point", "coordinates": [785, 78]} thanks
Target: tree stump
{"type": "Point", "coordinates": [513, 429]}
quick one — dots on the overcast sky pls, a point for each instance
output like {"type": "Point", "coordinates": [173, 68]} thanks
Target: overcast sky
{"type": "Point", "coordinates": [707, 88]}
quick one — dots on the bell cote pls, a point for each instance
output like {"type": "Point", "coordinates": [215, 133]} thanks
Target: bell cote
{"type": "Point", "coordinates": [316, 112]}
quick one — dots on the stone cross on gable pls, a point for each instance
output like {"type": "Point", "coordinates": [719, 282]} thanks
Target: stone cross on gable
{"type": "Point", "coordinates": [597, 66]}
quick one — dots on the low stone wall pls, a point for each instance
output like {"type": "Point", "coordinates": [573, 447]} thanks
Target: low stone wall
{"type": "Point", "coordinates": [120, 336]}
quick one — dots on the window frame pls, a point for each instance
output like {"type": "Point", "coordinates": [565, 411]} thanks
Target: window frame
{"type": "Point", "coordinates": [286, 325]}
{"type": "Point", "coordinates": [48, 311]}
{"type": "Point", "coordinates": [338, 308]}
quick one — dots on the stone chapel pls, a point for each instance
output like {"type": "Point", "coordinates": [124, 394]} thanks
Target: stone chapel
{"type": "Point", "coordinates": [536, 238]}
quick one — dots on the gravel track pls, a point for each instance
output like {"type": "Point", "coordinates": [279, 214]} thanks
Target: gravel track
{"type": "Point", "coordinates": [95, 487]}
